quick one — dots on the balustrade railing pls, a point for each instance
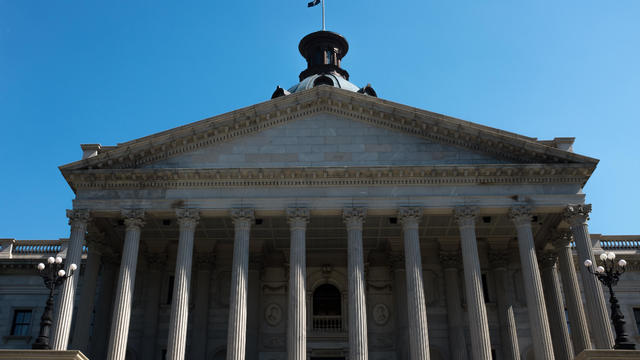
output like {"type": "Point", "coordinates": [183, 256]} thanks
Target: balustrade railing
{"type": "Point", "coordinates": [327, 323]}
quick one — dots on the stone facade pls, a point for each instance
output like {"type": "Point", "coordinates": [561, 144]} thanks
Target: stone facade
{"type": "Point", "coordinates": [324, 224]}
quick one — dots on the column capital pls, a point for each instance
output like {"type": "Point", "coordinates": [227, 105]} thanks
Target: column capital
{"type": "Point", "coordinates": [547, 259]}
{"type": "Point", "coordinates": [354, 216]}
{"type": "Point", "coordinates": [465, 215]}
{"type": "Point", "coordinates": [188, 217]}
{"type": "Point", "coordinates": [520, 214]}
{"type": "Point", "coordinates": [78, 217]}
{"type": "Point", "coordinates": [450, 259]}
{"type": "Point", "coordinates": [499, 259]}
{"type": "Point", "coordinates": [560, 239]}
{"type": "Point", "coordinates": [409, 216]}
{"type": "Point", "coordinates": [133, 218]}
{"type": "Point", "coordinates": [576, 214]}
{"type": "Point", "coordinates": [242, 215]}
{"type": "Point", "coordinates": [298, 216]}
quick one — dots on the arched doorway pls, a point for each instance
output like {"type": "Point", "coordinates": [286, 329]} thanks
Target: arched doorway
{"type": "Point", "coordinates": [327, 309]}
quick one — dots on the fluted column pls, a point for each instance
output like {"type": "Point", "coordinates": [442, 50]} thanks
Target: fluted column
{"type": "Point", "coordinates": [236, 335]}
{"type": "Point", "coordinates": [297, 326]}
{"type": "Point", "coordinates": [358, 348]}
{"type": "Point", "coordinates": [499, 261]}
{"type": "Point", "coordinates": [577, 216]}
{"type": "Point", "coordinates": [156, 263]}
{"type": "Point", "coordinates": [573, 298]}
{"type": "Point", "coordinates": [542, 346]}
{"type": "Point", "coordinates": [177, 339]}
{"type": "Point", "coordinates": [199, 332]}
{"type": "Point", "coordinates": [477, 312]}
{"type": "Point", "coordinates": [133, 220]}
{"type": "Point", "coordinates": [82, 329]}
{"type": "Point", "coordinates": [562, 348]}
{"type": "Point", "coordinates": [78, 219]}
{"type": "Point", "coordinates": [417, 310]}
{"type": "Point", "coordinates": [451, 262]}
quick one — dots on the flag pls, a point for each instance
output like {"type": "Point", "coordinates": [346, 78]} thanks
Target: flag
{"type": "Point", "coordinates": [313, 3]}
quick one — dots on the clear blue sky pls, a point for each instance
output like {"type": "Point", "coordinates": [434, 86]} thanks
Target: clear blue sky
{"type": "Point", "coordinates": [75, 72]}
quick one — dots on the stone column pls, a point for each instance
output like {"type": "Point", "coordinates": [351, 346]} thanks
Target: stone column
{"type": "Point", "coordinates": [297, 326]}
{"type": "Point", "coordinates": [102, 319]}
{"type": "Point", "coordinates": [204, 263]}
{"type": "Point", "coordinates": [562, 348]}
{"type": "Point", "coordinates": [451, 261]}
{"type": "Point", "coordinates": [177, 340]}
{"type": "Point", "coordinates": [478, 323]}
{"type": "Point", "coordinates": [577, 216]}
{"type": "Point", "coordinates": [499, 261]}
{"type": "Point", "coordinates": [156, 263]}
{"type": "Point", "coordinates": [133, 220]}
{"type": "Point", "coordinates": [78, 219]}
{"type": "Point", "coordinates": [237, 330]}
{"type": "Point", "coordinates": [417, 309]}
{"type": "Point", "coordinates": [396, 261]}
{"type": "Point", "coordinates": [542, 346]}
{"type": "Point", "coordinates": [573, 298]}
{"type": "Point", "coordinates": [358, 348]}
{"type": "Point", "coordinates": [82, 328]}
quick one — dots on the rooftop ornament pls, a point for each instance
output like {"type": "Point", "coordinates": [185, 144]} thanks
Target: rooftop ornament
{"type": "Point", "coordinates": [609, 273]}
{"type": "Point", "coordinates": [53, 275]}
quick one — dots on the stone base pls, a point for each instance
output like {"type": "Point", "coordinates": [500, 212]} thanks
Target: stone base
{"type": "Point", "coordinates": [41, 355]}
{"type": "Point", "coordinates": [608, 354]}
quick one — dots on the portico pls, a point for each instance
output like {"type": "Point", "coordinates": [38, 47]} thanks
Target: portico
{"type": "Point", "coordinates": [328, 223]}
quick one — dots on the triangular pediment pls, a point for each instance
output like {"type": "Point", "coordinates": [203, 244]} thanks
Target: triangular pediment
{"type": "Point", "coordinates": [339, 123]}
{"type": "Point", "coordinates": [325, 140]}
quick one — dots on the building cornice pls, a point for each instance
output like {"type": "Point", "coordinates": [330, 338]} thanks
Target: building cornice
{"type": "Point", "coordinates": [323, 99]}
{"type": "Point", "coordinates": [330, 176]}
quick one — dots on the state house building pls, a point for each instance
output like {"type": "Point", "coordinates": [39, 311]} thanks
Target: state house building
{"type": "Point", "coordinates": [324, 224]}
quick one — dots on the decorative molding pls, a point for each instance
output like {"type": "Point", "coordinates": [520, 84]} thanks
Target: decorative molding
{"type": "Point", "coordinates": [187, 217]}
{"type": "Point", "coordinates": [576, 214]}
{"type": "Point", "coordinates": [242, 215]}
{"type": "Point", "coordinates": [78, 217]}
{"type": "Point", "coordinates": [377, 112]}
{"type": "Point", "coordinates": [561, 239]}
{"type": "Point", "coordinates": [381, 314]}
{"type": "Point", "coordinates": [133, 218]}
{"type": "Point", "coordinates": [520, 214]}
{"type": "Point", "coordinates": [547, 259]}
{"type": "Point", "coordinates": [273, 314]}
{"type": "Point", "coordinates": [354, 217]}
{"type": "Point", "coordinates": [465, 215]}
{"type": "Point", "coordinates": [330, 176]}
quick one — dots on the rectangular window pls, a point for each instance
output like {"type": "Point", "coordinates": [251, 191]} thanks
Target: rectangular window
{"type": "Point", "coordinates": [636, 314]}
{"type": "Point", "coordinates": [21, 323]}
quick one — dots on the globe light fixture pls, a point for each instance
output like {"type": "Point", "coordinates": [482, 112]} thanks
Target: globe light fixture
{"type": "Point", "coordinates": [608, 273]}
{"type": "Point", "coordinates": [53, 275]}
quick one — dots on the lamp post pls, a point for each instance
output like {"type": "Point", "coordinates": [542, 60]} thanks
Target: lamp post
{"type": "Point", "coordinates": [53, 277]}
{"type": "Point", "coordinates": [609, 273]}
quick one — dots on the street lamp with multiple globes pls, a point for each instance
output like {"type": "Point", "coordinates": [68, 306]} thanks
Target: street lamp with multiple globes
{"type": "Point", "coordinates": [53, 276]}
{"type": "Point", "coordinates": [609, 273]}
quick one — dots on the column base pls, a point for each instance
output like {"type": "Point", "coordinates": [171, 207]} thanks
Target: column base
{"type": "Point", "coordinates": [608, 354]}
{"type": "Point", "coordinates": [42, 355]}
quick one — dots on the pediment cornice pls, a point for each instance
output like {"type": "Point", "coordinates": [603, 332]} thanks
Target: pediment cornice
{"type": "Point", "coordinates": [328, 176]}
{"type": "Point", "coordinates": [378, 112]}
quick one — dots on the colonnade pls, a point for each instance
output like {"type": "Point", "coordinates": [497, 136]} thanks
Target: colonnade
{"type": "Point", "coordinates": [543, 306]}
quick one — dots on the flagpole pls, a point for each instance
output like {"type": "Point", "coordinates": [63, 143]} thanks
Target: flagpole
{"type": "Point", "coordinates": [323, 27]}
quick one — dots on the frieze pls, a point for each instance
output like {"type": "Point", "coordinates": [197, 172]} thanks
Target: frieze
{"type": "Point", "coordinates": [328, 176]}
